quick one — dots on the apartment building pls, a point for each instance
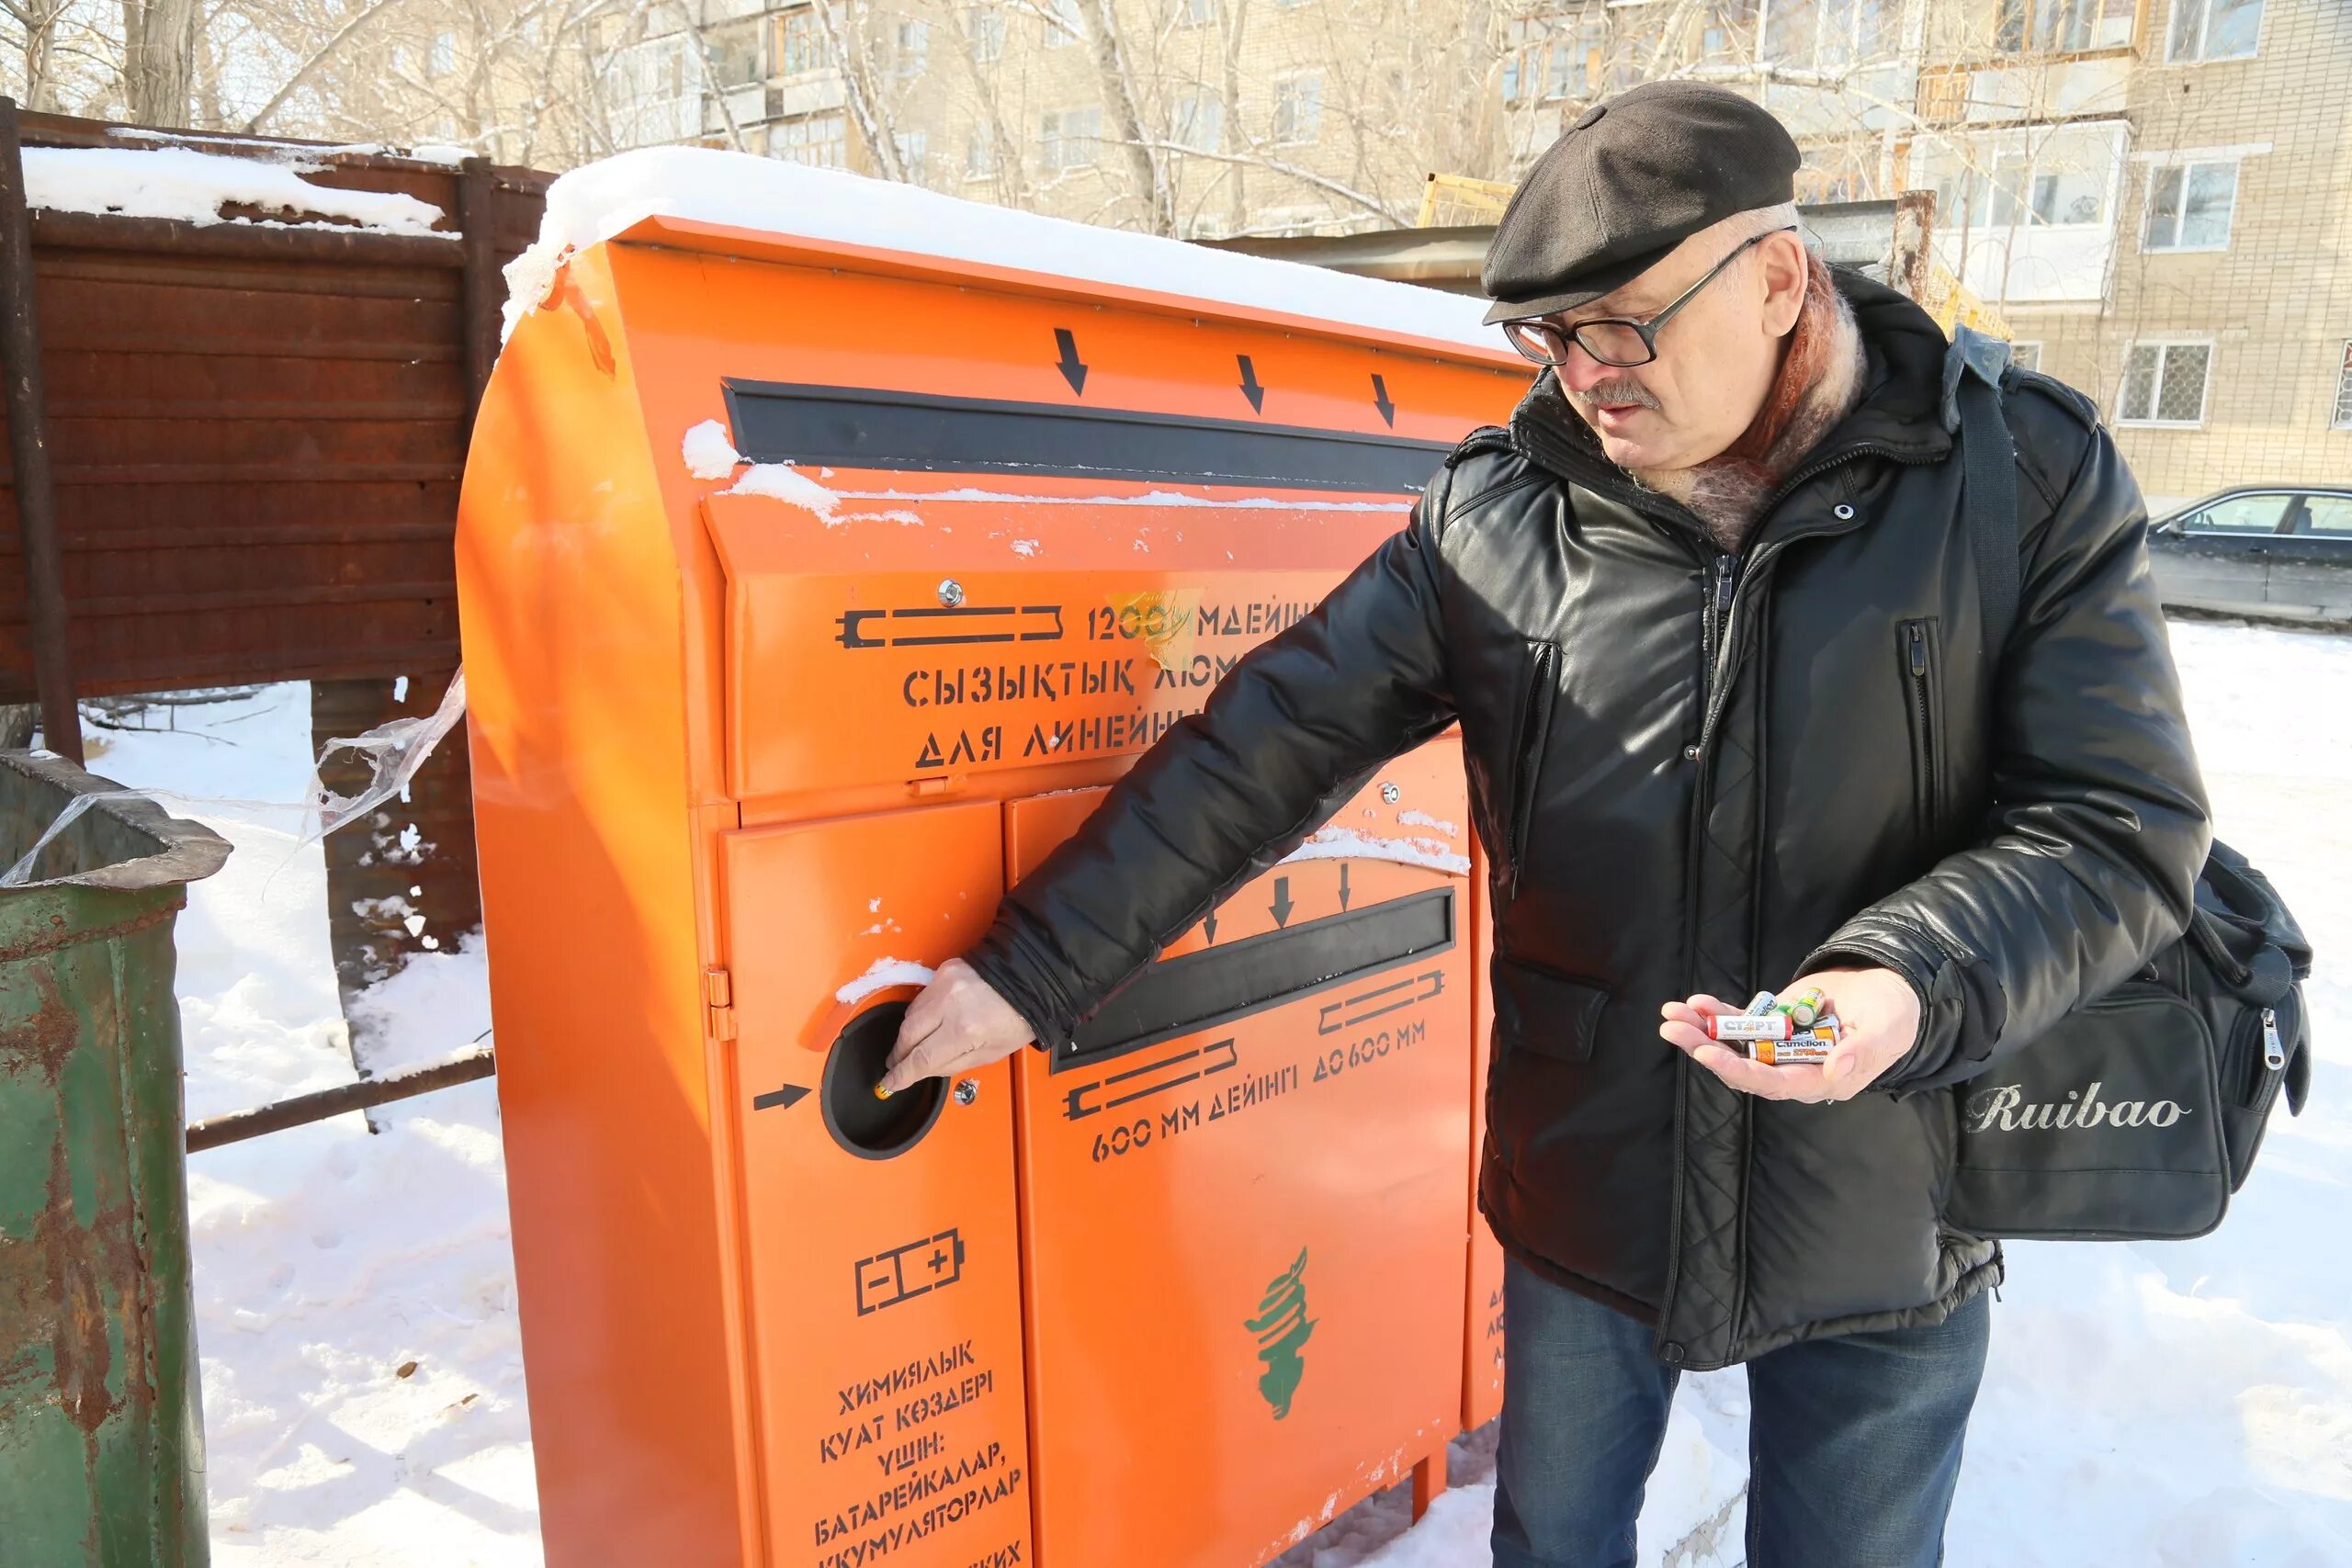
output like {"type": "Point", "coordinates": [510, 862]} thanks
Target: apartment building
{"type": "Point", "coordinates": [2154, 194]}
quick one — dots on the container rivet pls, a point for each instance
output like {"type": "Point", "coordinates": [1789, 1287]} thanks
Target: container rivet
{"type": "Point", "coordinates": [951, 592]}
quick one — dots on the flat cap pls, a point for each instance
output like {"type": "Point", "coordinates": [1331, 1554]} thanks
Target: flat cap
{"type": "Point", "coordinates": [1630, 180]}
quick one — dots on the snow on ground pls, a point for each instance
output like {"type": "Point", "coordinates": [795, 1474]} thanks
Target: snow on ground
{"type": "Point", "coordinates": [328, 1260]}
{"type": "Point", "coordinates": [2160, 1406]}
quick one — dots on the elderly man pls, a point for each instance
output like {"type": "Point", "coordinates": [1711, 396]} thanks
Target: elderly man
{"type": "Point", "coordinates": [1708, 616]}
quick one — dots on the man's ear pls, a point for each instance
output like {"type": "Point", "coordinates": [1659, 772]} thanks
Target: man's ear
{"type": "Point", "coordinates": [1786, 270]}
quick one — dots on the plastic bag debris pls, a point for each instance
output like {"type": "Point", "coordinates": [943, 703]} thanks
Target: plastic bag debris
{"type": "Point", "coordinates": [394, 750]}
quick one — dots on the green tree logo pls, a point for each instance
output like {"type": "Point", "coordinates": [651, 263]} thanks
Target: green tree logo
{"type": "Point", "coordinates": [1282, 1330]}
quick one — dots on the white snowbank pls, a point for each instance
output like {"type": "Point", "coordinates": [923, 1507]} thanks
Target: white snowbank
{"type": "Point", "coordinates": [709, 453]}
{"type": "Point", "coordinates": [192, 186]}
{"type": "Point", "coordinates": [594, 203]}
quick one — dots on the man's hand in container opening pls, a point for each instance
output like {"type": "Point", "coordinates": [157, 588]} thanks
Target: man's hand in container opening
{"type": "Point", "coordinates": [957, 1023]}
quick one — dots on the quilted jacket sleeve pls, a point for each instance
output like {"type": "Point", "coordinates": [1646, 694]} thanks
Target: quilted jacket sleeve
{"type": "Point", "coordinates": [2098, 824]}
{"type": "Point", "coordinates": [1229, 791]}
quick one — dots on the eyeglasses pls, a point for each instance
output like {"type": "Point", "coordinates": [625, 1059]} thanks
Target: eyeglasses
{"type": "Point", "coordinates": [1615, 341]}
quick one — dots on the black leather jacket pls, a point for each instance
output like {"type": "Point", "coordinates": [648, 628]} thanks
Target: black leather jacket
{"type": "Point", "coordinates": [1700, 771]}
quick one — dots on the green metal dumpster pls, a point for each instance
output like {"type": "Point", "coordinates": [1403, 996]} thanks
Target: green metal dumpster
{"type": "Point", "coordinates": [101, 1430]}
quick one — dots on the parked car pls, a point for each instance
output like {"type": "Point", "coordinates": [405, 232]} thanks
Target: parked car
{"type": "Point", "coordinates": [2273, 551]}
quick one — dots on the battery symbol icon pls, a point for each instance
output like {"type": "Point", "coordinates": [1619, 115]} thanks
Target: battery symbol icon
{"type": "Point", "coordinates": [905, 1272]}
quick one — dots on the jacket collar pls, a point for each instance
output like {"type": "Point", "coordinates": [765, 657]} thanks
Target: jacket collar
{"type": "Point", "coordinates": [1897, 416]}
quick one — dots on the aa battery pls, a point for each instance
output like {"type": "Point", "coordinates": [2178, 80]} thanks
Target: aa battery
{"type": "Point", "coordinates": [1806, 1046]}
{"type": "Point", "coordinates": [1747, 1026]}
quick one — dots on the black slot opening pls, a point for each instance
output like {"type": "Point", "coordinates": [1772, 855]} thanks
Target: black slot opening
{"type": "Point", "coordinates": [1214, 986]}
{"type": "Point", "coordinates": [867, 1127]}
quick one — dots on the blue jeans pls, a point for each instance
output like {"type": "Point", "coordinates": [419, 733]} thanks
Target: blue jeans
{"type": "Point", "coordinates": [1853, 1442]}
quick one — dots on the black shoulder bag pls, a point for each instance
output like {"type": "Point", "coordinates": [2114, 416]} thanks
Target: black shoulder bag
{"type": "Point", "coordinates": [2135, 1116]}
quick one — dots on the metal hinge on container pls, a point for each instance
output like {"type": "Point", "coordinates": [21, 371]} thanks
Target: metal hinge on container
{"type": "Point", "coordinates": [719, 996]}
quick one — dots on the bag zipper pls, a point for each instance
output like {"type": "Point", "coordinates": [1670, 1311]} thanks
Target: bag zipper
{"type": "Point", "coordinates": [2274, 1054]}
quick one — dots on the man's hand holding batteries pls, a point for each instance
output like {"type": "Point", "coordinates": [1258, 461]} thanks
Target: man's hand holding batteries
{"type": "Point", "coordinates": [1880, 1013]}
{"type": "Point", "coordinates": [957, 1023]}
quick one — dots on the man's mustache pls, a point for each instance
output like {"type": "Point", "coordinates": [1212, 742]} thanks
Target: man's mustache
{"type": "Point", "coordinates": [1613, 393]}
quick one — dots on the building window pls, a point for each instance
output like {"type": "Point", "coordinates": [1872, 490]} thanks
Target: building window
{"type": "Point", "coordinates": [2213, 29]}
{"type": "Point", "coordinates": [821, 140]}
{"type": "Point", "coordinates": [2026, 356]}
{"type": "Point", "coordinates": [2190, 207]}
{"type": "Point", "coordinates": [443, 58]}
{"type": "Point", "coordinates": [1579, 59]}
{"type": "Point", "coordinates": [1298, 108]}
{"type": "Point", "coordinates": [2342, 420]}
{"type": "Point", "coordinates": [1823, 34]}
{"type": "Point", "coordinates": [1510, 78]}
{"type": "Point", "coordinates": [1200, 121]}
{"type": "Point", "coordinates": [2063, 27]}
{"type": "Point", "coordinates": [1196, 13]}
{"type": "Point", "coordinates": [2164, 383]}
{"type": "Point", "coordinates": [800, 42]}
{"type": "Point", "coordinates": [979, 155]}
{"type": "Point", "coordinates": [914, 153]}
{"type": "Point", "coordinates": [984, 34]}
{"type": "Point", "coordinates": [913, 52]}
{"type": "Point", "coordinates": [1068, 139]}
{"type": "Point", "coordinates": [1064, 26]}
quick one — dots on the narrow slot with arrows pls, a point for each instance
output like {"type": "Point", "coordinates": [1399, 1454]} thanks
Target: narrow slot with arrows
{"type": "Point", "coordinates": [1214, 986]}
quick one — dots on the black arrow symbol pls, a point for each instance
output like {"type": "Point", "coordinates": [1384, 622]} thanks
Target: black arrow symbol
{"type": "Point", "coordinates": [1209, 925]}
{"type": "Point", "coordinates": [785, 1098]}
{"type": "Point", "coordinates": [1250, 388]}
{"type": "Point", "coordinates": [1344, 884]}
{"type": "Point", "coordinates": [1380, 400]}
{"type": "Point", "coordinates": [1282, 905]}
{"type": "Point", "coordinates": [1072, 371]}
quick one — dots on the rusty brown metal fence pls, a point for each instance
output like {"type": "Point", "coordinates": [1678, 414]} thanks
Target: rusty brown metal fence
{"type": "Point", "coordinates": [234, 455]}
{"type": "Point", "coordinates": [253, 434]}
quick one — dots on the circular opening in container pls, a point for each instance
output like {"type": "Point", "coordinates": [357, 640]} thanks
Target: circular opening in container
{"type": "Point", "coordinates": [867, 1127]}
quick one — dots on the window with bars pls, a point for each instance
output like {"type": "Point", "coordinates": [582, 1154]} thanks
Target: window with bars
{"type": "Point", "coordinates": [2342, 420]}
{"type": "Point", "coordinates": [1826, 34]}
{"type": "Point", "coordinates": [1200, 121]}
{"type": "Point", "coordinates": [2190, 207]}
{"type": "Point", "coordinates": [914, 153]}
{"type": "Point", "coordinates": [821, 140]}
{"type": "Point", "coordinates": [913, 50]}
{"type": "Point", "coordinates": [984, 34]}
{"type": "Point", "coordinates": [1298, 108]}
{"type": "Point", "coordinates": [1068, 139]}
{"type": "Point", "coordinates": [2213, 29]}
{"type": "Point", "coordinates": [2063, 27]}
{"type": "Point", "coordinates": [979, 155]}
{"type": "Point", "coordinates": [2165, 383]}
{"type": "Point", "coordinates": [800, 43]}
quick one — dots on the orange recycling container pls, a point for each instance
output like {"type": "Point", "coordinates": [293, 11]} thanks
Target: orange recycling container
{"type": "Point", "coordinates": [758, 743]}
